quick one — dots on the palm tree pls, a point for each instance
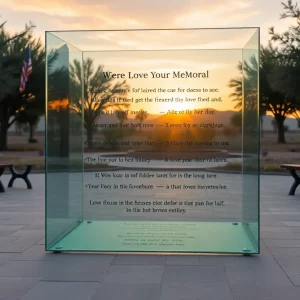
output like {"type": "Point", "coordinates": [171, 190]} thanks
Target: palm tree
{"type": "Point", "coordinates": [245, 93]}
{"type": "Point", "coordinates": [99, 93]}
{"type": "Point", "coordinates": [237, 85]}
{"type": "Point", "coordinates": [141, 116]}
{"type": "Point", "coordinates": [250, 72]}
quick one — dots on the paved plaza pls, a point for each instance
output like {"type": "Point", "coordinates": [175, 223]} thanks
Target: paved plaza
{"type": "Point", "coordinates": [27, 272]}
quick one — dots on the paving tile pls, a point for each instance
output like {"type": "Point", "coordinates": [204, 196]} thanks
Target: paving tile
{"type": "Point", "coordinates": [17, 208]}
{"type": "Point", "coordinates": [211, 260]}
{"type": "Point", "coordinates": [265, 293]}
{"type": "Point", "coordinates": [291, 223]}
{"type": "Point", "coordinates": [61, 291]}
{"type": "Point", "coordinates": [16, 221]}
{"type": "Point", "coordinates": [81, 259]}
{"type": "Point", "coordinates": [40, 226]}
{"type": "Point", "coordinates": [20, 243]}
{"type": "Point", "coordinates": [8, 239]}
{"type": "Point", "coordinates": [15, 247]}
{"type": "Point", "coordinates": [78, 268]}
{"type": "Point", "coordinates": [287, 243]}
{"type": "Point", "coordinates": [265, 222]}
{"type": "Point", "coordinates": [264, 250]}
{"type": "Point", "coordinates": [25, 268]}
{"type": "Point", "coordinates": [183, 260]}
{"type": "Point", "coordinates": [140, 260]}
{"type": "Point", "coordinates": [294, 276]}
{"type": "Point", "coordinates": [142, 291]}
{"type": "Point", "coordinates": [252, 261]}
{"type": "Point", "coordinates": [258, 276]}
{"type": "Point", "coordinates": [194, 274]}
{"type": "Point", "coordinates": [37, 234]}
{"type": "Point", "coordinates": [291, 266]}
{"type": "Point", "coordinates": [5, 233]}
{"type": "Point", "coordinates": [5, 257]}
{"type": "Point", "coordinates": [284, 251]}
{"type": "Point", "coordinates": [289, 262]}
{"type": "Point", "coordinates": [275, 229]}
{"type": "Point", "coordinates": [134, 274]}
{"type": "Point", "coordinates": [295, 229]}
{"type": "Point", "coordinates": [35, 252]}
{"type": "Point", "coordinates": [199, 291]}
{"type": "Point", "coordinates": [41, 242]}
{"type": "Point", "coordinates": [11, 227]}
{"type": "Point", "coordinates": [67, 270]}
{"type": "Point", "coordinates": [13, 288]}
{"type": "Point", "coordinates": [280, 235]}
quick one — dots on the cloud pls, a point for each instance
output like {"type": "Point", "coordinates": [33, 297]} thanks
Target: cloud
{"type": "Point", "coordinates": [141, 62]}
{"type": "Point", "coordinates": [125, 13]}
{"type": "Point", "coordinates": [158, 40]}
{"type": "Point", "coordinates": [224, 14]}
{"type": "Point", "coordinates": [50, 8]}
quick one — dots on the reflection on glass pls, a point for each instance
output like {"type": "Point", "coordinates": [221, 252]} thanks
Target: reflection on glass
{"type": "Point", "coordinates": [64, 158]}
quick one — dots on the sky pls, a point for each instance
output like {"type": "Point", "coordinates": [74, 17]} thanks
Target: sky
{"type": "Point", "coordinates": [60, 15]}
{"type": "Point", "coordinates": [124, 14]}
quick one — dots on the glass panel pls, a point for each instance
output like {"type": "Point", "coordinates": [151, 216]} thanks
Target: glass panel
{"type": "Point", "coordinates": [63, 142]}
{"type": "Point", "coordinates": [251, 134]}
{"type": "Point", "coordinates": [163, 143]}
{"type": "Point", "coordinates": [158, 39]}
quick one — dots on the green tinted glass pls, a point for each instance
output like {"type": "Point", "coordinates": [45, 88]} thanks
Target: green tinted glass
{"type": "Point", "coordinates": [153, 141]}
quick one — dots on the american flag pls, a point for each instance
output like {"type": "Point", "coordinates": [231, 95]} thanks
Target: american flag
{"type": "Point", "coordinates": [26, 69]}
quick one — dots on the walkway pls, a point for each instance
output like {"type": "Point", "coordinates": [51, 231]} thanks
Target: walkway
{"type": "Point", "coordinates": [28, 273]}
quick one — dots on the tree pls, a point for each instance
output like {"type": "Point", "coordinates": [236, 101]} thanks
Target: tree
{"type": "Point", "coordinates": [121, 116]}
{"type": "Point", "coordinates": [12, 102]}
{"type": "Point", "coordinates": [262, 113]}
{"type": "Point", "coordinates": [245, 95]}
{"type": "Point", "coordinates": [236, 120]}
{"type": "Point", "coordinates": [30, 117]}
{"type": "Point", "coordinates": [8, 80]}
{"type": "Point", "coordinates": [248, 70]}
{"type": "Point", "coordinates": [237, 85]}
{"type": "Point", "coordinates": [296, 115]}
{"type": "Point", "coordinates": [141, 116]}
{"type": "Point", "coordinates": [274, 125]}
{"type": "Point", "coordinates": [290, 54]}
{"type": "Point", "coordinates": [99, 93]}
{"type": "Point", "coordinates": [273, 98]}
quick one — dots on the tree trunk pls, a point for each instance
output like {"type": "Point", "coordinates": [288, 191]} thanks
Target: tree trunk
{"type": "Point", "coordinates": [3, 127]}
{"type": "Point", "coordinates": [262, 125]}
{"type": "Point", "coordinates": [280, 131]}
{"type": "Point", "coordinates": [89, 133]}
{"type": "Point", "coordinates": [3, 136]}
{"type": "Point", "coordinates": [31, 131]}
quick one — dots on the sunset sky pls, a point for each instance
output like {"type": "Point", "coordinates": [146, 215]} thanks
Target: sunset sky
{"type": "Point", "coordinates": [123, 14]}
{"type": "Point", "coordinates": [144, 14]}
